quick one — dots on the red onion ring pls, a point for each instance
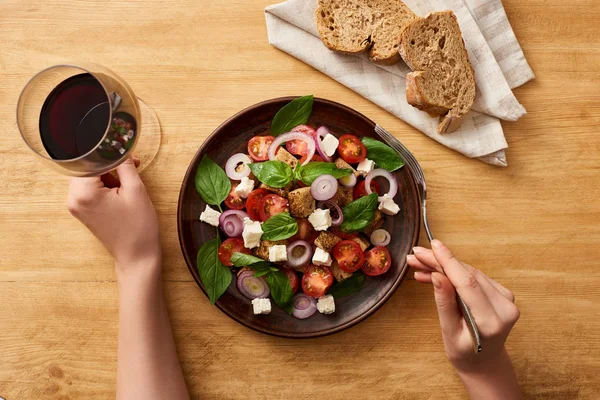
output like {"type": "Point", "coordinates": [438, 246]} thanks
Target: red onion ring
{"type": "Point", "coordinates": [232, 164]}
{"type": "Point", "coordinates": [294, 261]}
{"type": "Point", "coordinates": [380, 237]}
{"type": "Point", "coordinates": [232, 222]}
{"type": "Point", "coordinates": [304, 306]}
{"type": "Point", "coordinates": [348, 181]}
{"type": "Point", "coordinates": [324, 187]}
{"type": "Point", "coordinates": [387, 175]}
{"type": "Point", "coordinates": [251, 286]}
{"type": "Point", "coordinates": [321, 133]}
{"type": "Point", "coordinates": [286, 137]}
{"type": "Point", "coordinates": [335, 220]}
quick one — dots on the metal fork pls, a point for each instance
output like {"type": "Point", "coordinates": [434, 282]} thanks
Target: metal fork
{"type": "Point", "coordinates": [417, 173]}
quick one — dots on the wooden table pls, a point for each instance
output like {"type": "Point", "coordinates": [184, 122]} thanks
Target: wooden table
{"type": "Point", "coordinates": [534, 226]}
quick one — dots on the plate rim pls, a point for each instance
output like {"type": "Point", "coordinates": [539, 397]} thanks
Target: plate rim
{"type": "Point", "coordinates": [191, 263]}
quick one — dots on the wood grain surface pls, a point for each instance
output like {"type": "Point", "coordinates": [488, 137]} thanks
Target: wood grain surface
{"type": "Point", "coordinates": [534, 226]}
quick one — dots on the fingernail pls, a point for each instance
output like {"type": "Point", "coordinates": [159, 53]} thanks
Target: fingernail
{"type": "Point", "coordinates": [410, 257]}
{"type": "Point", "coordinates": [436, 244]}
{"type": "Point", "coordinates": [418, 249]}
{"type": "Point", "coordinates": [436, 281]}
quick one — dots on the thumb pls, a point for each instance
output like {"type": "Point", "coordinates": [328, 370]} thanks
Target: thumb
{"type": "Point", "coordinates": [128, 174]}
{"type": "Point", "coordinates": [445, 300]}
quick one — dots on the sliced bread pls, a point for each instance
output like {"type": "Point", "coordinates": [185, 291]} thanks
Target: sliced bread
{"type": "Point", "coordinates": [354, 26]}
{"type": "Point", "coordinates": [443, 81]}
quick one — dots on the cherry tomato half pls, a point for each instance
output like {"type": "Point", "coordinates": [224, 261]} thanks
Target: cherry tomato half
{"type": "Point", "coordinates": [272, 204]}
{"type": "Point", "coordinates": [305, 232]}
{"type": "Point", "coordinates": [230, 246]}
{"type": "Point", "coordinates": [234, 201]}
{"type": "Point", "coordinates": [360, 190]}
{"type": "Point", "coordinates": [314, 158]}
{"type": "Point", "coordinates": [294, 281]}
{"type": "Point", "coordinates": [300, 147]}
{"type": "Point", "coordinates": [377, 261]}
{"type": "Point", "coordinates": [316, 280]}
{"type": "Point", "coordinates": [351, 149]}
{"type": "Point", "coordinates": [258, 147]}
{"type": "Point", "coordinates": [254, 202]}
{"type": "Point", "coordinates": [349, 255]}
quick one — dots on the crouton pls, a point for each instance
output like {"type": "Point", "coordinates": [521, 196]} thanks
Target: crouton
{"type": "Point", "coordinates": [375, 224]}
{"type": "Point", "coordinates": [285, 156]}
{"type": "Point", "coordinates": [326, 241]}
{"type": "Point", "coordinates": [262, 251]}
{"type": "Point", "coordinates": [343, 196]}
{"type": "Point", "coordinates": [283, 192]}
{"type": "Point", "coordinates": [302, 204]}
{"type": "Point", "coordinates": [362, 242]}
{"type": "Point", "coordinates": [341, 164]}
{"type": "Point", "coordinates": [338, 273]}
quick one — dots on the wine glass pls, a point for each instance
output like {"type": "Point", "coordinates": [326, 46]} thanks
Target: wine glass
{"type": "Point", "coordinates": [84, 120]}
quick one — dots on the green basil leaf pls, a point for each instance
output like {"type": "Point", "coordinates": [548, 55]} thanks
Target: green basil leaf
{"type": "Point", "coordinates": [359, 214]}
{"type": "Point", "coordinates": [214, 275]}
{"type": "Point", "coordinates": [212, 182]}
{"type": "Point", "coordinates": [260, 266]}
{"type": "Point", "coordinates": [348, 286]}
{"type": "Point", "coordinates": [264, 268]}
{"type": "Point", "coordinates": [311, 171]}
{"type": "Point", "coordinates": [274, 173]}
{"type": "Point", "coordinates": [384, 156]}
{"type": "Point", "coordinates": [281, 290]}
{"type": "Point", "coordinates": [279, 227]}
{"type": "Point", "coordinates": [292, 114]}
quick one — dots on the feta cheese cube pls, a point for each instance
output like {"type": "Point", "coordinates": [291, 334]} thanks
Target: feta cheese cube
{"type": "Point", "coordinates": [122, 150]}
{"type": "Point", "coordinates": [261, 306]}
{"type": "Point", "coordinates": [244, 187]}
{"type": "Point", "coordinates": [321, 257]}
{"type": "Point", "coordinates": [320, 219]}
{"type": "Point", "coordinates": [278, 253]}
{"type": "Point", "coordinates": [388, 206]}
{"type": "Point", "coordinates": [365, 166]}
{"type": "Point", "coordinates": [329, 144]}
{"type": "Point", "coordinates": [210, 216]}
{"type": "Point", "coordinates": [252, 233]}
{"type": "Point", "coordinates": [326, 304]}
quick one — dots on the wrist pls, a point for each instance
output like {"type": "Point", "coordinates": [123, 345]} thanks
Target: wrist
{"type": "Point", "coordinates": [492, 379]}
{"type": "Point", "coordinates": [139, 270]}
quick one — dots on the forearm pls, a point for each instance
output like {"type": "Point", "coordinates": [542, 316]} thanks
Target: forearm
{"type": "Point", "coordinates": [148, 366]}
{"type": "Point", "coordinates": [498, 382]}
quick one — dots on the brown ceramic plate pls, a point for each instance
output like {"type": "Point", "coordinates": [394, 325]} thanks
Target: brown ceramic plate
{"type": "Point", "coordinates": [232, 137]}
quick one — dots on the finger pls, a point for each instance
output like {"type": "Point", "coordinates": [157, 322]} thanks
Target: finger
{"type": "Point", "coordinates": [110, 181]}
{"type": "Point", "coordinates": [464, 281]}
{"type": "Point", "coordinates": [490, 286]}
{"type": "Point", "coordinates": [445, 300]}
{"type": "Point", "coordinates": [426, 257]}
{"type": "Point", "coordinates": [136, 161]}
{"type": "Point", "coordinates": [128, 174]}
{"type": "Point", "coordinates": [423, 277]}
{"type": "Point", "coordinates": [413, 262]}
{"type": "Point", "coordinates": [76, 184]}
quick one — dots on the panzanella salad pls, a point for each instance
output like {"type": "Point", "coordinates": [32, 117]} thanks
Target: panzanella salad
{"type": "Point", "coordinates": [302, 209]}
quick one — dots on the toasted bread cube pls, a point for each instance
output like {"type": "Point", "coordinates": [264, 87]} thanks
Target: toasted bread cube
{"type": "Point", "coordinates": [362, 242]}
{"type": "Point", "coordinates": [343, 196]}
{"type": "Point", "coordinates": [338, 273]}
{"type": "Point", "coordinates": [262, 251]}
{"type": "Point", "coordinates": [287, 157]}
{"type": "Point", "coordinates": [375, 224]}
{"type": "Point", "coordinates": [341, 164]}
{"type": "Point", "coordinates": [283, 192]}
{"type": "Point", "coordinates": [302, 204]}
{"type": "Point", "coordinates": [327, 241]}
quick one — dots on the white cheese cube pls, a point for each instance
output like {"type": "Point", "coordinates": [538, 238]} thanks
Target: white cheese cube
{"type": "Point", "coordinates": [365, 166]}
{"type": "Point", "coordinates": [329, 144]}
{"type": "Point", "coordinates": [244, 187]}
{"type": "Point", "coordinates": [261, 306]}
{"type": "Point", "coordinates": [320, 219]}
{"type": "Point", "coordinates": [278, 253]}
{"type": "Point", "coordinates": [210, 216]}
{"type": "Point", "coordinates": [252, 233]}
{"type": "Point", "coordinates": [326, 304]}
{"type": "Point", "coordinates": [321, 257]}
{"type": "Point", "coordinates": [388, 206]}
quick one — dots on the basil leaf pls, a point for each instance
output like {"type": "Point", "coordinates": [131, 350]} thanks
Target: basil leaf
{"type": "Point", "coordinates": [384, 156]}
{"type": "Point", "coordinates": [292, 114]}
{"type": "Point", "coordinates": [260, 266]}
{"type": "Point", "coordinates": [359, 214]}
{"type": "Point", "coordinates": [274, 173]}
{"type": "Point", "coordinates": [212, 182]}
{"type": "Point", "coordinates": [311, 171]}
{"type": "Point", "coordinates": [281, 290]}
{"type": "Point", "coordinates": [214, 275]}
{"type": "Point", "coordinates": [279, 227]}
{"type": "Point", "coordinates": [348, 286]}
{"type": "Point", "coordinates": [263, 268]}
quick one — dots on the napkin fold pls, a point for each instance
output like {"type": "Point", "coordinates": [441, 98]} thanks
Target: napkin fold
{"type": "Point", "coordinates": [292, 28]}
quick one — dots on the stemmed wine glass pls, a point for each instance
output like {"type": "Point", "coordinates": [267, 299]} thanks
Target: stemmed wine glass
{"type": "Point", "coordinates": [84, 120]}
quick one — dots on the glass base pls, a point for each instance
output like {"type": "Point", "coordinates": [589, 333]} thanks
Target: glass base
{"type": "Point", "coordinates": [148, 143]}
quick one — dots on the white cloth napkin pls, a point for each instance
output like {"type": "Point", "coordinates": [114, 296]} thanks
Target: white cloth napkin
{"type": "Point", "coordinates": [494, 52]}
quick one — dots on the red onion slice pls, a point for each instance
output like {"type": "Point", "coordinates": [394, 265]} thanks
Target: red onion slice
{"type": "Point", "coordinates": [286, 137]}
{"type": "Point", "coordinates": [337, 217]}
{"type": "Point", "coordinates": [232, 222]}
{"type": "Point", "coordinates": [304, 306]}
{"type": "Point", "coordinates": [380, 237]}
{"type": "Point", "coordinates": [293, 259]}
{"type": "Point", "coordinates": [385, 174]}
{"type": "Point", "coordinates": [321, 133]}
{"type": "Point", "coordinates": [324, 187]}
{"type": "Point", "coordinates": [348, 181]}
{"type": "Point", "coordinates": [251, 286]}
{"type": "Point", "coordinates": [234, 170]}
